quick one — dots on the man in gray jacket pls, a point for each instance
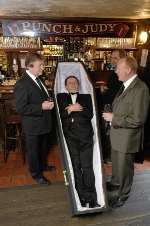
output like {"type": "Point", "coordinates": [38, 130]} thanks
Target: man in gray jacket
{"type": "Point", "coordinates": [127, 120]}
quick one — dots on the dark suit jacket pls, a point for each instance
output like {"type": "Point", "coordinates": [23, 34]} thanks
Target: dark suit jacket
{"type": "Point", "coordinates": [77, 124]}
{"type": "Point", "coordinates": [130, 111]}
{"type": "Point", "coordinates": [29, 100]}
{"type": "Point", "coordinates": [113, 87]}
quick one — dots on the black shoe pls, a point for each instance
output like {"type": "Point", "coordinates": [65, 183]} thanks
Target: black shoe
{"type": "Point", "coordinates": [83, 202]}
{"type": "Point", "coordinates": [108, 161]}
{"type": "Point", "coordinates": [112, 200]}
{"type": "Point", "coordinates": [48, 181]}
{"type": "Point", "coordinates": [118, 203]}
{"type": "Point", "coordinates": [42, 180]}
{"type": "Point", "coordinates": [112, 187]}
{"type": "Point", "coordinates": [49, 168]}
{"type": "Point", "coordinates": [93, 204]}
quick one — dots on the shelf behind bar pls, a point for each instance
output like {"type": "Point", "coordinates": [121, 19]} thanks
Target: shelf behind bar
{"type": "Point", "coordinates": [20, 49]}
{"type": "Point", "coordinates": [110, 49]}
{"type": "Point", "coordinates": [97, 59]}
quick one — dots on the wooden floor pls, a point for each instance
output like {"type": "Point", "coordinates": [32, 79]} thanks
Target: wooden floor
{"type": "Point", "coordinates": [15, 173]}
{"type": "Point", "coordinates": [48, 206]}
{"type": "Point", "coordinates": [24, 203]}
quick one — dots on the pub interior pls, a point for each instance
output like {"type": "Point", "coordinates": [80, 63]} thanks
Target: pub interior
{"type": "Point", "coordinates": [86, 32]}
{"type": "Point", "coordinates": [88, 41]}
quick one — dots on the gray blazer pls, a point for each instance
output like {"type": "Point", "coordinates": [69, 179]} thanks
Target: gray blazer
{"type": "Point", "coordinates": [130, 112]}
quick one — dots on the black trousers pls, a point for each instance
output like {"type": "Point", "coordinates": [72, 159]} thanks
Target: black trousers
{"type": "Point", "coordinates": [37, 150]}
{"type": "Point", "coordinates": [81, 154]}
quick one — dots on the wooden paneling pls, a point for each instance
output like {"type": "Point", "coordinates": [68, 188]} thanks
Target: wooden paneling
{"type": "Point", "coordinates": [85, 8]}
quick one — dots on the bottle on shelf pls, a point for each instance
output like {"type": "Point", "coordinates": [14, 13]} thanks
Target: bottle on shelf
{"type": "Point", "coordinates": [20, 42]}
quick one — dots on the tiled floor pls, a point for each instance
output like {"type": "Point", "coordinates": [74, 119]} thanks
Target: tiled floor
{"type": "Point", "coordinates": [15, 172]}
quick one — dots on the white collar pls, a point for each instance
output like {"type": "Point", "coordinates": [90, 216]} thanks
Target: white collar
{"type": "Point", "coordinates": [31, 75]}
{"type": "Point", "coordinates": [129, 81]}
{"type": "Point", "coordinates": [74, 98]}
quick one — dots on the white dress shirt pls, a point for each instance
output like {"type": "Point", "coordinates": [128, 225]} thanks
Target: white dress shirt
{"type": "Point", "coordinates": [73, 98]}
{"type": "Point", "coordinates": [129, 81]}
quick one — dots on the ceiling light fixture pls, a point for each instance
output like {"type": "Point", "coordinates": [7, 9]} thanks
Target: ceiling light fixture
{"type": "Point", "coordinates": [143, 36]}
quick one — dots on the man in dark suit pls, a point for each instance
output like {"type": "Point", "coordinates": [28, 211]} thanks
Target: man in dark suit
{"type": "Point", "coordinates": [127, 123]}
{"type": "Point", "coordinates": [32, 103]}
{"type": "Point", "coordinates": [113, 84]}
{"type": "Point", "coordinates": [76, 112]}
{"type": "Point", "coordinates": [108, 94]}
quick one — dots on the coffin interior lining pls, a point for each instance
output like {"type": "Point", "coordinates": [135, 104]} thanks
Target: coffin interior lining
{"type": "Point", "coordinates": [77, 69]}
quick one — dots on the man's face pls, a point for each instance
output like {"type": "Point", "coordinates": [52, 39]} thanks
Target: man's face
{"type": "Point", "coordinates": [115, 58]}
{"type": "Point", "coordinates": [38, 67]}
{"type": "Point", "coordinates": [123, 71]}
{"type": "Point", "coordinates": [72, 85]}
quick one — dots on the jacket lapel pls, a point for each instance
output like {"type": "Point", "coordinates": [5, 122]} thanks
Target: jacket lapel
{"type": "Point", "coordinates": [119, 98]}
{"type": "Point", "coordinates": [69, 100]}
{"type": "Point", "coordinates": [33, 84]}
{"type": "Point", "coordinates": [130, 86]}
{"type": "Point", "coordinates": [78, 98]}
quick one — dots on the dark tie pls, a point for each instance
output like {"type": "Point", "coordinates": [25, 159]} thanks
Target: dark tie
{"type": "Point", "coordinates": [45, 95]}
{"type": "Point", "coordinates": [120, 90]}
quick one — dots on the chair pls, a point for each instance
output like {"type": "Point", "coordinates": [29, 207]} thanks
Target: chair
{"type": "Point", "coordinates": [11, 127]}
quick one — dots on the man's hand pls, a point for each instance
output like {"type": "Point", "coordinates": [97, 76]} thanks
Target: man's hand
{"type": "Point", "coordinates": [103, 88]}
{"type": "Point", "coordinates": [108, 116]}
{"type": "Point", "coordinates": [74, 107]}
{"type": "Point", "coordinates": [47, 105]}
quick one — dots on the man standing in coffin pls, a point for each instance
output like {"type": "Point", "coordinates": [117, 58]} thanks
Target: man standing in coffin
{"type": "Point", "coordinates": [76, 113]}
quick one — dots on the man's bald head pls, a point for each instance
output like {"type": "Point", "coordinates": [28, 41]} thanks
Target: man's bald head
{"type": "Point", "coordinates": [126, 68]}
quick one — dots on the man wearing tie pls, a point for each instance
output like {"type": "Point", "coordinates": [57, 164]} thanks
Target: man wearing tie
{"type": "Point", "coordinates": [76, 113]}
{"type": "Point", "coordinates": [32, 103]}
{"type": "Point", "coordinates": [127, 122]}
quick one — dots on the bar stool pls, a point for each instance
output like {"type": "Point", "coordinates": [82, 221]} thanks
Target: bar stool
{"type": "Point", "coordinates": [12, 136]}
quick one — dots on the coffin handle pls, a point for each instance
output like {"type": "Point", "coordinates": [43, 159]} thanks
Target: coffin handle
{"type": "Point", "coordinates": [65, 177]}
